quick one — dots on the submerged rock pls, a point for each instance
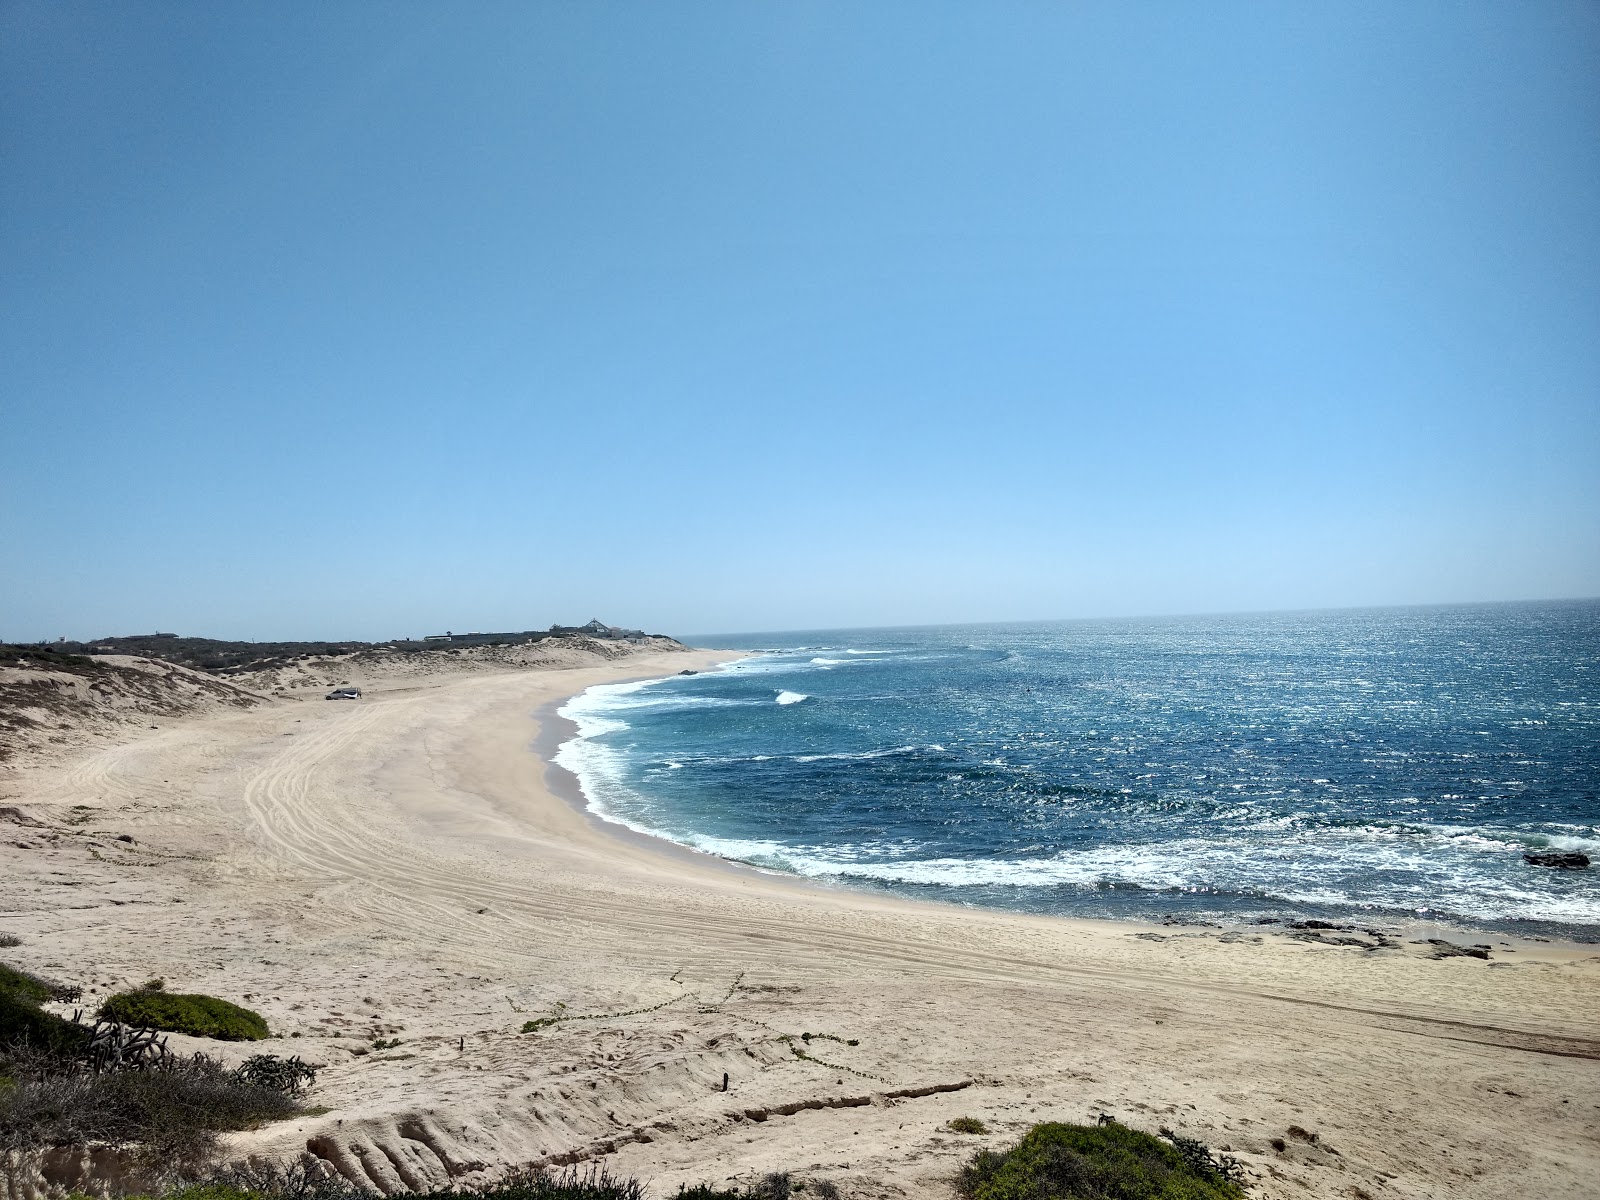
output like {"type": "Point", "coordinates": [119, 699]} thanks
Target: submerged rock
{"type": "Point", "coordinates": [1561, 860]}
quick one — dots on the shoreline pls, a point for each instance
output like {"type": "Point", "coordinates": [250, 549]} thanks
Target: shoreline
{"type": "Point", "coordinates": [555, 730]}
{"type": "Point", "coordinates": [409, 869]}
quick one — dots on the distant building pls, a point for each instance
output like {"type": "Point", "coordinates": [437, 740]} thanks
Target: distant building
{"type": "Point", "coordinates": [597, 628]}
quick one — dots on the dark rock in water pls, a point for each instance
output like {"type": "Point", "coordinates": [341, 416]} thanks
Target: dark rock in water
{"type": "Point", "coordinates": [1561, 860]}
{"type": "Point", "coordinates": [688, 672]}
{"type": "Point", "coordinates": [1315, 924]}
{"type": "Point", "coordinates": [1268, 921]}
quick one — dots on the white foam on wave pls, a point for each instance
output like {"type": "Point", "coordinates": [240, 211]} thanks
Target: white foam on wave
{"type": "Point", "coordinates": [1302, 873]}
{"type": "Point", "coordinates": [600, 768]}
{"type": "Point", "coordinates": [846, 862]}
{"type": "Point", "coordinates": [1556, 841]}
{"type": "Point", "coordinates": [1481, 839]}
{"type": "Point", "coordinates": [774, 664]}
{"type": "Point", "coordinates": [592, 709]}
{"type": "Point", "coordinates": [603, 708]}
{"type": "Point", "coordinates": [792, 697]}
{"type": "Point", "coordinates": [856, 755]}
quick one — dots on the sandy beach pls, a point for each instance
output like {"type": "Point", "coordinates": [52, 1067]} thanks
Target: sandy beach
{"type": "Point", "coordinates": [410, 867]}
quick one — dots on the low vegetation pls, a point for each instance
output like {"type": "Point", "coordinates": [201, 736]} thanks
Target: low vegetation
{"type": "Point", "coordinates": [199, 1016]}
{"type": "Point", "coordinates": [222, 657]}
{"type": "Point", "coordinates": [24, 1023]}
{"type": "Point", "coordinates": [172, 1110]}
{"type": "Point", "coordinates": [45, 657]}
{"type": "Point", "coordinates": [201, 654]}
{"type": "Point", "coordinates": [63, 1083]}
{"type": "Point", "coordinates": [779, 1185]}
{"type": "Point", "coordinates": [257, 1182]}
{"type": "Point", "coordinates": [1100, 1162]}
{"type": "Point", "coordinates": [33, 990]}
{"type": "Point", "coordinates": [561, 1016]}
{"type": "Point", "coordinates": [287, 1075]}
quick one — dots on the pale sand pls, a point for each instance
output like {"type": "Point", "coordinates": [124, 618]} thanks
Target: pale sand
{"type": "Point", "coordinates": [403, 867]}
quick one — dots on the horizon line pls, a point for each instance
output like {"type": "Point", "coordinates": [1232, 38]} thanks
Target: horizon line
{"type": "Point", "coordinates": [1157, 616]}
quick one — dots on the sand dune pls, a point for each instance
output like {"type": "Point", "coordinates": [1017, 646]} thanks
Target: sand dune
{"type": "Point", "coordinates": [407, 867]}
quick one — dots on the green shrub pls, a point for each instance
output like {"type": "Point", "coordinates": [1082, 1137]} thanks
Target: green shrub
{"type": "Point", "coordinates": [27, 1025]}
{"type": "Point", "coordinates": [1090, 1162]}
{"type": "Point", "coordinates": [22, 986]}
{"type": "Point", "coordinates": [32, 990]}
{"type": "Point", "coordinates": [967, 1125]}
{"type": "Point", "coordinates": [199, 1016]}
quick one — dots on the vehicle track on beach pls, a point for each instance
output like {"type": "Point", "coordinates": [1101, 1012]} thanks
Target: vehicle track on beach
{"type": "Point", "coordinates": [303, 828]}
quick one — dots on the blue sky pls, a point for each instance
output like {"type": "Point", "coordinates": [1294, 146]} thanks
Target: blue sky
{"type": "Point", "coordinates": [340, 319]}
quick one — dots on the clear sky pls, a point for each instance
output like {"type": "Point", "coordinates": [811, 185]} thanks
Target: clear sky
{"type": "Point", "coordinates": [357, 319]}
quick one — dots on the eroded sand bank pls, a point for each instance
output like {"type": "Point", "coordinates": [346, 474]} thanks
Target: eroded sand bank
{"type": "Point", "coordinates": [403, 867]}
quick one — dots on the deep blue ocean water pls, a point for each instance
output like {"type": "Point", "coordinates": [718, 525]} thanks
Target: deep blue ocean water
{"type": "Point", "coordinates": [1389, 763]}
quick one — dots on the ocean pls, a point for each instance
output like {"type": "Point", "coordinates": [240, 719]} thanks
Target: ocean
{"type": "Point", "coordinates": [1386, 765]}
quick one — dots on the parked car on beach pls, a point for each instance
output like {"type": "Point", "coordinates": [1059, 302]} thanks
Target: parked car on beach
{"type": "Point", "coordinates": [344, 694]}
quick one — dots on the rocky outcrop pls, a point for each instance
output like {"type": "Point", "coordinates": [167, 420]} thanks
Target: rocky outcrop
{"type": "Point", "coordinates": [1560, 860]}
